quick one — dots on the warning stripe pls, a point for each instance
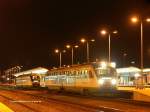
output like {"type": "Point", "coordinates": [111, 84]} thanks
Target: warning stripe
{"type": "Point", "coordinates": [4, 108]}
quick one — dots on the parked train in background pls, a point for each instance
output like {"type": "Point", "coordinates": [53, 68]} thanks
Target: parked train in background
{"type": "Point", "coordinates": [28, 80]}
{"type": "Point", "coordinates": [91, 77]}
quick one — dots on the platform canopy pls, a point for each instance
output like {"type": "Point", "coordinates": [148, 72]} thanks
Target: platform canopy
{"type": "Point", "coordinates": [146, 70]}
{"type": "Point", "coordinates": [38, 70]}
{"type": "Point", "coordinates": [128, 69]}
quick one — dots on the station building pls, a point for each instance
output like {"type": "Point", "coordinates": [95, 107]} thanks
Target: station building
{"type": "Point", "coordinates": [129, 76]}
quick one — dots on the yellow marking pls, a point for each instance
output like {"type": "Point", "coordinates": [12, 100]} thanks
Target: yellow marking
{"type": "Point", "coordinates": [145, 91]}
{"type": "Point", "coordinates": [4, 108]}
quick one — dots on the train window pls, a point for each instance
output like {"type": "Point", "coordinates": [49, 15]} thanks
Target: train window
{"type": "Point", "coordinates": [74, 73]}
{"type": "Point", "coordinates": [65, 72]}
{"type": "Point", "coordinates": [83, 72]}
{"type": "Point", "coordinates": [68, 73]}
{"type": "Point", "coordinates": [132, 78]}
{"type": "Point", "coordinates": [86, 71]}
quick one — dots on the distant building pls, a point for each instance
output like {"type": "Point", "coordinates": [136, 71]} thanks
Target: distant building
{"type": "Point", "coordinates": [8, 73]}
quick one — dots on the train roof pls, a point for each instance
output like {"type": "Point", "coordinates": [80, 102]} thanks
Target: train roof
{"type": "Point", "coordinates": [85, 65]}
{"type": "Point", "coordinates": [38, 70]}
{"type": "Point", "coordinates": [72, 66]}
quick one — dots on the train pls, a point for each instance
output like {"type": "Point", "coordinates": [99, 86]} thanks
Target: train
{"type": "Point", "coordinates": [84, 78]}
{"type": "Point", "coordinates": [28, 80]}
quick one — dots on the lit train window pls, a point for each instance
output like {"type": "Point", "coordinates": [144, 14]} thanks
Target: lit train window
{"type": "Point", "coordinates": [82, 72]}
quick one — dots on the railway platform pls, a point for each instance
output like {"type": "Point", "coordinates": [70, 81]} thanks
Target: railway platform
{"type": "Point", "coordinates": [141, 94]}
{"type": "Point", "coordinates": [4, 108]}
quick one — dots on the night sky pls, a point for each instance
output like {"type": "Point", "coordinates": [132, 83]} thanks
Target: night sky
{"type": "Point", "coordinates": [30, 30]}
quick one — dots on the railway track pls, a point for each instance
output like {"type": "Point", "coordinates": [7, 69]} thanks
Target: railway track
{"type": "Point", "coordinates": [89, 108]}
{"type": "Point", "coordinates": [21, 104]}
{"type": "Point", "coordinates": [44, 96]}
{"type": "Point", "coordinates": [108, 99]}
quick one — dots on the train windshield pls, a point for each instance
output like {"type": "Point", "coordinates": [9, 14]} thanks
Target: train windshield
{"type": "Point", "coordinates": [107, 72]}
{"type": "Point", "coordinates": [104, 70]}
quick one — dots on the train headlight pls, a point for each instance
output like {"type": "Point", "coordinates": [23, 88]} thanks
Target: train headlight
{"type": "Point", "coordinates": [101, 81]}
{"type": "Point", "coordinates": [113, 81]}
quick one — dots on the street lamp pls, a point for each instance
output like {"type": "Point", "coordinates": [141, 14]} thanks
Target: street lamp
{"type": "Point", "coordinates": [72, 51]}
{"type": "Point", "coordinates": [87, 47]}
{"type": "Point", "coordinates": [135, 20]}
{"type": "Point", "coordinates": [104, 32]}
{"type": "Point", "coordinates": [60, 55]}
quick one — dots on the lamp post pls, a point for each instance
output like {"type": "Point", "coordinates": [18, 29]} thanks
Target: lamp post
{"type": "Point", "coordinates": [72, 52]}
{"type": "Point", "coordinates": [87, 48]}
{"type": "Point", "coordinates": [135, 20]}
{"type": "Point", "coordinates": [124, 58]}
{"type": "Point", "coordinates": [60, 55]}
{"type": "Point", "coordinates": [104, 32]}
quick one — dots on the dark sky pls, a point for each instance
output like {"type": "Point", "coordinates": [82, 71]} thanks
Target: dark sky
{"type": "Point", "coordinates": [31, 29]}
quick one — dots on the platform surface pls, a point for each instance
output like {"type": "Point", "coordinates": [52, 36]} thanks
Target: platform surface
{"type": "Point", "coordinates": [4, 108]}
